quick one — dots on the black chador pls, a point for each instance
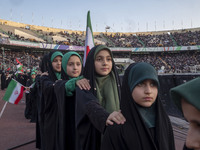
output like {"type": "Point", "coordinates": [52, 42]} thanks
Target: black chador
{"type": "Point", "coordinates": [146, 128]}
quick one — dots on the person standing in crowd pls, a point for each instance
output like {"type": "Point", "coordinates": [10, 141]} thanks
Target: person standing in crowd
{"type": "Point", "coordinates": [48, 113]}
{"type": "Point", "coordinates": [65, 96]}
{"type": "Point", "coordinates": [54, 124]}
{"type": "Point", "coordinates": [20, 76]}
{"type": "Point", "coordinates": [147, 125]}
{"type": "Point", "coordinates": [99, 106]}
{"type": "Point", "coordinates": [39, 96]}
{"type": "Point", "coordinates": [29, 97]}
{"type": "Point", "coordinates": [187, 98]}
{"type": "Point", "coordinates": [2, 80]}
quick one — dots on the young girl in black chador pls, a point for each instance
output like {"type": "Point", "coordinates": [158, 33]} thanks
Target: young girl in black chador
{"type": "Point", "coordinates": [48, 113]}
{"type": "Point", "coordinates": [99, 106]}
{"type": "Point", "coordinates": [147, 125]}
{"type": "Point", "coordinates": [65, 96]}
{"type": "Point", "coordinates": [59, 100]}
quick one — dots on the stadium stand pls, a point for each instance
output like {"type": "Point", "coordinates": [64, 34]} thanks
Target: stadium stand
{"type": "Point", "coordinates": [174, 51]}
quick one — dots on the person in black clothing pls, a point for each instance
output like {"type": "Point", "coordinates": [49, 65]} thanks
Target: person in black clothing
{"type": "Point", "coordinates": [48, 113]}
{"type": "Point", "coordinates": [57, 101]}
{"type": "Point", "coordinates": [147, 125]}
{"type": "Point", "coordinates": [99, 106]}
{"type": "Point", "coordinates": [5, 79]}
{"type": "Point", "coordinates": [39, 96]}
{"type": "Point", "coordinates": [29, 96]}
{"type": "Point", "coordinates": [65, 96]}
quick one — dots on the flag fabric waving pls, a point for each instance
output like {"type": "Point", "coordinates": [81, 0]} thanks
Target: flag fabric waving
{"type": "Point", "coordinates": [18, 61]}
{"type": "Point", "coordinates": [14, 92]}
{"type": "Point", "coordinates": [89, 40]}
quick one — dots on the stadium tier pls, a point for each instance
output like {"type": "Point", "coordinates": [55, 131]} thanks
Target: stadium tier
{"type": "Point", "coordinates": [174, 51]}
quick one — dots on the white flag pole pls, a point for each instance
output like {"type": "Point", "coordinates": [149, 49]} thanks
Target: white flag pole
{"type": "Point", "coordinates": [3, 109]}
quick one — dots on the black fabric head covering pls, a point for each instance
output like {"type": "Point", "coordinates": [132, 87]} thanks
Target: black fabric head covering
{"type": "Point", "coordinates": [164, 133]}
{"type": "Point", "coordinates": [134, 134]}
{"type": "Point", "coordinates": [89, 69]}
{"type": "Point", "coordinates": [44, 63]}
{"type": "Point", "coordinates": [190, 91]}
{"type": "Point", "coordinates": [51, 71]}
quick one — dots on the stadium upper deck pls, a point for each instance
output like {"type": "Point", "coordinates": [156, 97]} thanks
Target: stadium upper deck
{"type": "Point", "coordinates": [176, 51]}
{"type": "Point", "coordinates": [141, 40]}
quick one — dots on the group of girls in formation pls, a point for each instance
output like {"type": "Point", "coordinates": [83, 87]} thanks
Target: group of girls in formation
{"type": "Point", "coordinates": [86, 109]}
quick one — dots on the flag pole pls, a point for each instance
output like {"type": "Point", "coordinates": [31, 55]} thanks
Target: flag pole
{"type": "Point", "coordinates": [3, 109]}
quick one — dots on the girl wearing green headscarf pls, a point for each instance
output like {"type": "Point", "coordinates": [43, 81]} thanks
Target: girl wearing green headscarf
{"type": "Point", "coordinates": [49, 110]}
{"type": "Point", "coordinates": [147, 125]}
{"type": "Point", "coordinates": [65, 95]}
{"type": "Point", "coordinates": [187, 98]}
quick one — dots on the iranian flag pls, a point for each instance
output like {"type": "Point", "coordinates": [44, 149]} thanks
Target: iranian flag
{"type": "Point", "coordinates": [14, 92]}
{"type": "Point", "coordinates": [89, 40]}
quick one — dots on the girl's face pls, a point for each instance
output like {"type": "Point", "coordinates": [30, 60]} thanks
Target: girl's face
{"type": "Point", "coordinates": [33, 76]}
{"type": "Point", "coordinates": [192, 115]}
{"type": "Point", "coordinates": [56, 64]}
{"type": "Point", "coordinates": [145, 93]}
{"type": "Point", "coordinates": [74, 66]}
{"type": "Point", "coordinates": [103, 63]}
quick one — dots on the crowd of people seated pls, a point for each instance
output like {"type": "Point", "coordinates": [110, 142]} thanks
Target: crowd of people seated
{"type": "Point", "coordinates": [177, 62]}
{"type": "Point", "coordinates": [156, 39]}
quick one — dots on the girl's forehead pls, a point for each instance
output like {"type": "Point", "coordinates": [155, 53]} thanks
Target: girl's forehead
{"type": "Point", "coordinates": [57, 57]}
{"type": "Point", "coordinates": [103, 52]}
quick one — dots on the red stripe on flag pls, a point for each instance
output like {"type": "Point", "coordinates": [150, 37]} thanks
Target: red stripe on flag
{"type": "Point", "coordinates": [87, 51]}
{"type": "Point", "coordinates": [20, 95]}
{"type": "Point", "coordinates": [18, 61]}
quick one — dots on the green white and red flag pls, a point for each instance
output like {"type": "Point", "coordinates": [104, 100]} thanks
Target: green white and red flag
{"type": "Point", "coordinates": [89, 40]}
{"type": "Point", "coordinates": [14, 92]}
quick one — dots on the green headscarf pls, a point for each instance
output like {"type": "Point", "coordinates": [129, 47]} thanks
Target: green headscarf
{"type": "Point", "coordinates": [106, 86]}
{"type": "Point", "coordinates": [54, 55]}
{"type": "Point", "coordinates": [190, 91]}
{"type": "Point", "coordinates": [138, 73]}
{"type": "Point", "coordinates": [33, 73]}
{"type": "Point", "coordinates": [70, 85]}
{"type": "Point", "coordinates": [66, 57]}
{"type": "Point", "coordinates": [102, 47]}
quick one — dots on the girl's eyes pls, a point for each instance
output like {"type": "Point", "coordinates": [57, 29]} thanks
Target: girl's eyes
{"type": "Point", "coordinates": [101, 59]}
{"type": "Point", "coordinates": [71, 64]}
{"type": "Point", "coordinates": [57, 61]}
{"type": "Point", "coordinates": [98, 59]}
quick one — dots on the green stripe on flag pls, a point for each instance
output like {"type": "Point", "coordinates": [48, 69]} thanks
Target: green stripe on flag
{"type": "Point", "coordinates": [9, 90]}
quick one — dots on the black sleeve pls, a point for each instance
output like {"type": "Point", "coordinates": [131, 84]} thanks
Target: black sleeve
{"type": "Point", "coordinates": [113, 139]}
{"type": "Point", "coordinates": [87, 106]}
{"type": "Point", "coordinates": [97, 115]}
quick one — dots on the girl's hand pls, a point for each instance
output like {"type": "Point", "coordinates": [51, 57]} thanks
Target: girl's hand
{"type": "Point", "coordinates": [44, 73]}
{"type": "Point", "coordinates": [83, 84]}
{"type": "Point", "coordinates": [116, 117]}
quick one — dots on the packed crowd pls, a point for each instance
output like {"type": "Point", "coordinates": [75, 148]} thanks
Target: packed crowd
{"type": "Point", "coordinates": [154, 39]}
{"type": "Point", "coordinates": [176, 62]}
